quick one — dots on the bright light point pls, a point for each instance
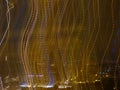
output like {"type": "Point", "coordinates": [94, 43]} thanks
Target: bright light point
{"type": "Point", "coordinates": [25, 85]}
{"type": "Point", "coordinates": [107, 75]}
{"type": "Point", "coordinates": [97, 80]}
{"type": "Point", "coordinates": [96, 74]}
{"type": "Point", "coordinates": [45, 86]}
{"type": "Point", "coordinates": [64, 86]}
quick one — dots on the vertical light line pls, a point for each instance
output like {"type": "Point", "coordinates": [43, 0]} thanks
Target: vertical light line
{"type": "Point", "coordinates": [8, 21]}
